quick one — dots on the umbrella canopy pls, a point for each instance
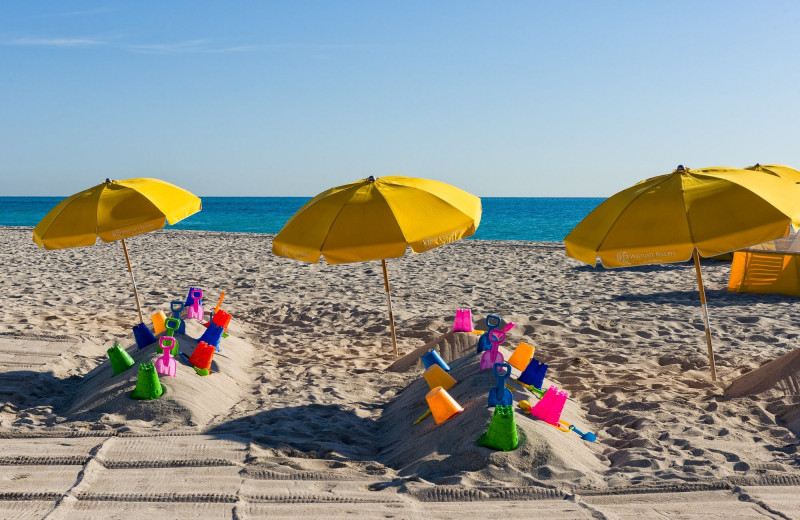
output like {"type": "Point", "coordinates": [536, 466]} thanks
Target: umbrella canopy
{"type": "Point", "coordinates": [683, 215]}
{"type": "Point", "coordinates": [786, 173]}
{"type": "Point", "coordinates": [376, 219]}
{"type": "Point", "coordinates": [115, 210]}
{"type": "Point", "coordinates": [665, 218]}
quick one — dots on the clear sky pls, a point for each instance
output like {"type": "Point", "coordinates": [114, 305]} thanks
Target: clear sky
{"type": "Point", "coordinates": [279, 98]}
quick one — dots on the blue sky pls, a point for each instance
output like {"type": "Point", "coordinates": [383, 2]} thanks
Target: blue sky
{"type": "Point", "coordinates": [279, 98]}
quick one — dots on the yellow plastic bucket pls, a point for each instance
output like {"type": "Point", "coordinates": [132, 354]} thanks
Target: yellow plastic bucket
{"type": "Point", "coordinates": [436, 376]}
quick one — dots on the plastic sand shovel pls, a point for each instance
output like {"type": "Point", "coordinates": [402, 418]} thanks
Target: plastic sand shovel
{"type": "Point", "coordinates": [535, 391]}
{"type": "Point", "coordinates": [166, 364]}
{"type": "Point", "coordinates": [219, 303]}
{"type": "Point", "coordinates": [195, 310]}
{"type": "Point", "coordinates": [421, 417]}
{"type": "Point", "coordinates": [493, 355]}
{"type": "Point", "coordinates": [501, 396]}
{"type": "Point", "coordinates": [492, 322]}
{"type": "Point", "coordinates": [588, 436]}
{"type": "Point", "coordinates": [177, 307]}
{"type": "Point", "coordinates": [190, 298]}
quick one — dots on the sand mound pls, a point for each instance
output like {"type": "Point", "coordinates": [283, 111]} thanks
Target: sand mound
{"type": "Point", "coordinates": [188, 399]}
{"type": "Point", "coordinates": [448, 453]}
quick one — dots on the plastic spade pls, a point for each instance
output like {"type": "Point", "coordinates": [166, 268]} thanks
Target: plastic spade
{"type": "Point", "coordinates": [501, 395]}
{"type": "Point", "coordinates": [588, 436]}
{"type": "Point", "coordinates": [484, 343]}
{"type": "Point", "coordinates": [166, 365]}
{"type": "Point", "coordinates": [493, 355]}
{"type": "Point", "coordinates": [177, 307]}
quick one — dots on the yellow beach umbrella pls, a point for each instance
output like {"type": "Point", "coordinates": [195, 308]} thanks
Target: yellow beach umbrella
{"type": "Point", "coordinates": [115, 210]}
{"type": "Point", "coordinates": [376, 219]}
{"type": "Point", "coordinates": [683, 215]}
{"type": "Point", "coordinates": [786, 173]}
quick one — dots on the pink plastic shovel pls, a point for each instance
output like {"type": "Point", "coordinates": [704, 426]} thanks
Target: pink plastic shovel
{"type": "Point", "coordinates": [493, 355]}
{"type": "Point", "coordinates": [166, 364]}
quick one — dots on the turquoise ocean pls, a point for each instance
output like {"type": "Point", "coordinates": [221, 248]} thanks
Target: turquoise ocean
{"type": "Point", "coordinates": [518, 218]}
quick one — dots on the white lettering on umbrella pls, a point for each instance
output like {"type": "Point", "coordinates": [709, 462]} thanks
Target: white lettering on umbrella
{"type": "Point", "coordinates": [647, 257]}
{"type": "Point", "coordinates": [297, 254]}
{"type": "Point", "coordinates": [430, 242]}
{"type": "Point", "coordinates": [135, 230]}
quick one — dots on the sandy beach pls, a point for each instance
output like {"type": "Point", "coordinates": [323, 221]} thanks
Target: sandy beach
{"type": "Point", "coordinates": [302, 419]}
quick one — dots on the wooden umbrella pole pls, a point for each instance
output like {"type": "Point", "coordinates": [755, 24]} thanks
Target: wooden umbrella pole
{"type": "Point", "coordinates": [389, 301]}
{"type": "Point", "coordinates": [130, 270]}
{"type": "Point", "coordinates": [705, 313]}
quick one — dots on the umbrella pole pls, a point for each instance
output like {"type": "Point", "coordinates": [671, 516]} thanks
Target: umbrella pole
{"type": "Point", "coordinates": [135, 292]}
{"type": "Point", "coordinates": [389, 301]}
{"type": "Point", "coordinates": [705, 313]}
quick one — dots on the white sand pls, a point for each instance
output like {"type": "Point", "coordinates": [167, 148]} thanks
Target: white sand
{"type": "Point", "coordinates": [302, 420]}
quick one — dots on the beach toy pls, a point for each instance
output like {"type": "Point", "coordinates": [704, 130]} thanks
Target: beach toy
{"type": "Point", "coordinates": [173, 324]}
{"type": "Point", "coordinates": [195, 309]}
{"type": "Point", "coordinates": [190, 299]}
{"type": "Point", "coordinates": [492, 322]}
{"type": "Point", "coordinates": [166, 364]}
{"type": "Point", "coordinates": [493, 355]}
{"type": "Point", "coordinates": [521, 356]}
{"type": "Point", "coordinates": [221, 318]}
{"type": "Point", "coordinates": [144, 337]}
{"type": "Point", "coordinates": [202, 356]}
{"type": "Point", "coordinates": [433, 358]}
{"type": "Point", "coordinates": [436, 376]}
{"type": "Point", "coordinates": [442, 406]}
{"type": "Point", "coordinates": [421, 417]}
{"type": "Point", "coordinates": [588, 436]}
{"type": "Point", "coordinates": [200, 371]}
{"type": "Point", "coordinates": [526, 406]}
{"type": "Point", "coordinates": [536, 391]}
{"type": "Point", "coordinates": [177, 307]}
{"type": "Point", "coordinates": [158, 322]}
{"type": "Point", "coordinates": [148, 386]}
{"type": "Point", "coordinates": [212, 335]}
{"type": "Point", "coordinates": [502, 432]}
{"type": "Point", "coordinates": [463, 321]}
{"type": "Point", "coordinates": [120, 359]}
{"type": "Point", "coordinates": [501, 396]}
{"type": "Point", "coordinates": [219, 303]}
{"type": "Point", "coordinates": [533, 374]}
{"type": "Point", "coordinates": [551, 405]}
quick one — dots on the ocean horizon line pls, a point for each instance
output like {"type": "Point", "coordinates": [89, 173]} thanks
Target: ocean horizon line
{"type": "Point", "coordinates": [528, 219]}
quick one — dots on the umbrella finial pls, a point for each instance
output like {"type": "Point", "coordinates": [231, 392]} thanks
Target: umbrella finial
{"type": "Point", "coordinates": [680, 168]}
{"type": "Point", "coordinates": [371, 179]}
{"type": "Point", "coordinates": [108, 181]}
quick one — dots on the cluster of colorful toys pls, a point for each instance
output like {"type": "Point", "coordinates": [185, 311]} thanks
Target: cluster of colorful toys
{"type": "Point", "coordinates": [502, 431]}
{"type": "Point", "coordinates": [148, 386]}
{"type": "Point", "coordinates": [440, 403]}
{"type": "Point", "coordinates": [502, 436]}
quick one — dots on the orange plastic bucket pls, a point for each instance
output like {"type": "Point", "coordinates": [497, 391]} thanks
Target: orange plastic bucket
{"type": "Point", "coordinates": [442, 406]}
